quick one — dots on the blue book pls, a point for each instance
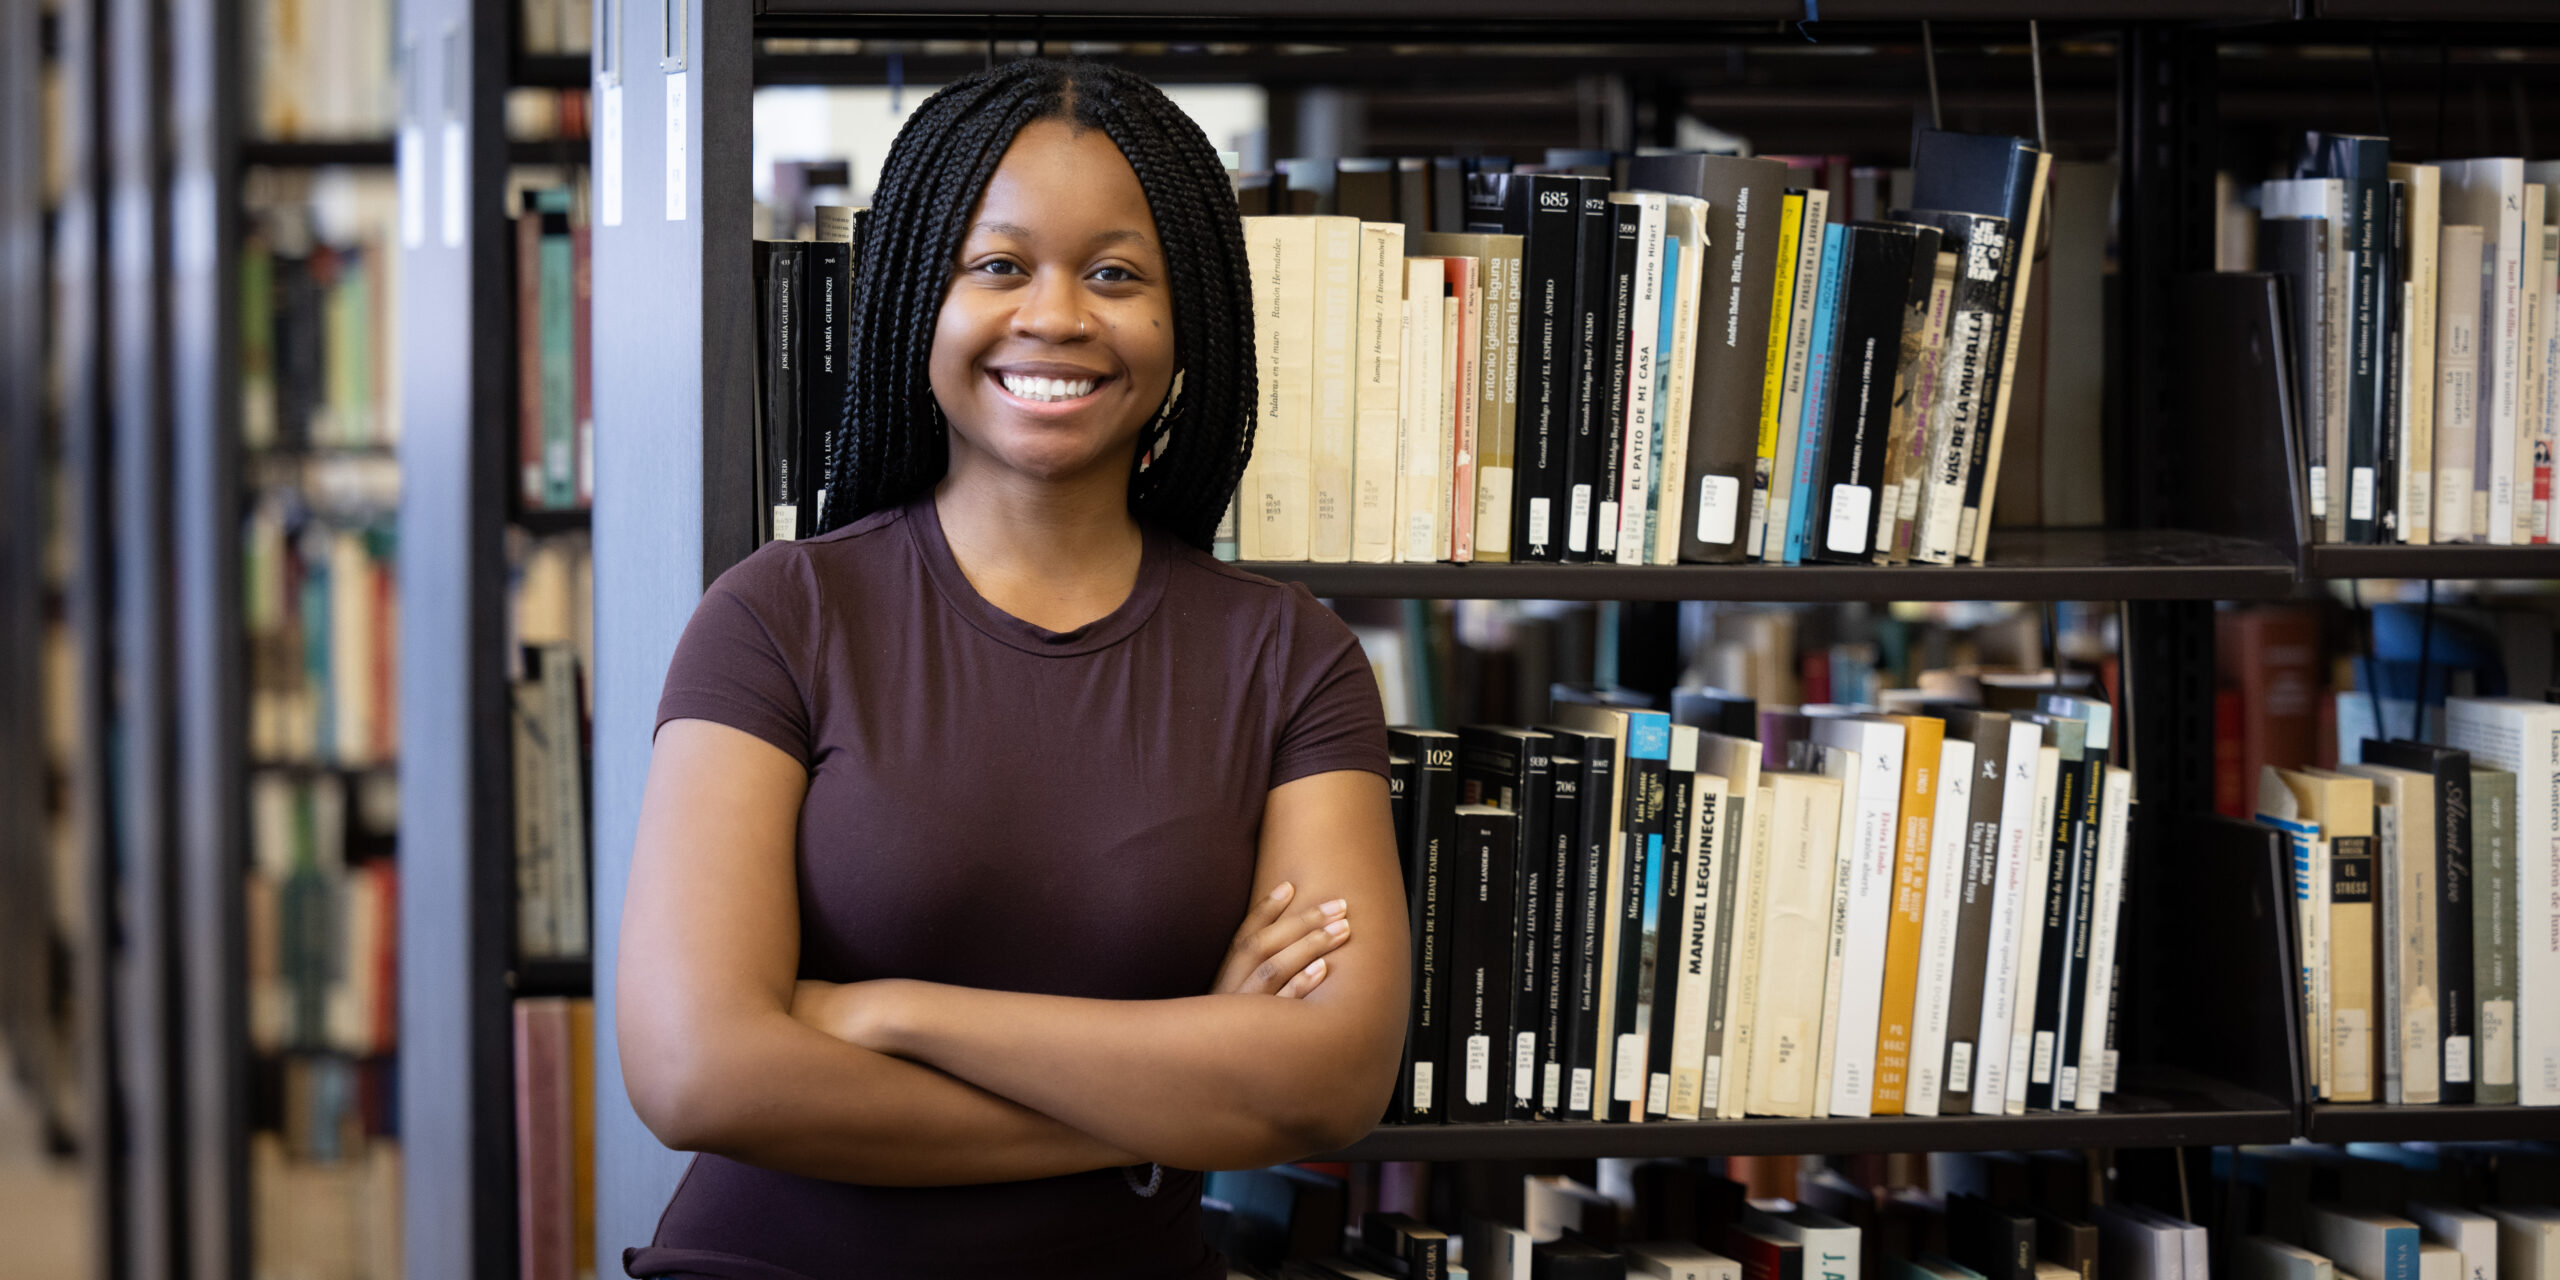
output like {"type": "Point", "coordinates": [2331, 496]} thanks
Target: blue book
{"type": "Point", "coordinates": [1637, 924]}
{"type": "Point", "coordinates": [2368, 1245]}
{"type": "Point", "coordinates": [1662, 423]}
{"type": "Point", "coordinates": [1817, 395]}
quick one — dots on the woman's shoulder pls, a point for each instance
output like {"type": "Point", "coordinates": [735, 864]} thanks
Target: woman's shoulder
{"type": "Point", "coordinates": [788, 574]}
{"type": "Point", "coordinates": [1261, 605]}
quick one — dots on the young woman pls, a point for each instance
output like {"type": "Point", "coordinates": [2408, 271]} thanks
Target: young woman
{"type": "Point", "coordinates": [993, 865]}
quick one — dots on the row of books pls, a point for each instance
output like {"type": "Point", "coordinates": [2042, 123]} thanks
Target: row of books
{"type": "Point", "coordinates": [329, 1220]}
{"type": "Point", "coordinates": [803, 288]}
{"type": "Point", "coordinates": [322, 69]}
{"type": "Point", "coordinates": [1690, 359]}
{"type": "Point", "coordinates": [2429, 966]}
{"type": "Point", "coordinates": [321, 608]}
{"type": "Point", "coordinates": [322, 928]}
{"type": "Point", "coordinates": [2424, 309]}
{"type": "Point", "coordinates": [548, 726]}
{"type": "Point", "coordinates": [555, 1137]}
{"type": "Point", "coordinates": [319, 324]}
{"type": "Point", "coordinates": [1717, 911]}
{"type": "Point", "coordinates": [554, 27]}
{"type": "Point", "coordinates": [555, 413]}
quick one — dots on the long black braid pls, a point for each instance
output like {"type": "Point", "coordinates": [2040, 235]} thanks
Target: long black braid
{"type": "Point", "coordinates": [893, 444]}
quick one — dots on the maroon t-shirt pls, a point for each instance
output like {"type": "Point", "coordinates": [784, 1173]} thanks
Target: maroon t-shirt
{"type": "Point", "coordinates": [996, 805]}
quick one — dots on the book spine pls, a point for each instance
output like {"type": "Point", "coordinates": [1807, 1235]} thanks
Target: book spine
{"type": "Point", "coordinates": [1983, 490]}
{"type": "Point", "coordinates": [1377, 389]}
{"type": "Point", "coordinates": [1428, 863]}
{"type": "Point", "coordinates": [1964, 394]}
{"type": "Point", "coordinates": [1546, 212]}
{"type": "Point", "coordinates": [1875, 283]}
{"type": "Point", "coordinates": [1732, 1080]}
{"type": "Point", "coordinates": [1497, 427]}
{"type": "Point", "coordinates": [1773, 381]}
{"type": "Point", "coordinates": [1419, 518]}
{"type": "Point", "coordinates": [1610, 382]}
{"type": "Point", "coordinates": [1560, 947]}
{"type": "Point", "coordinates": [2098, 987]}
{"type": "Point", "coordinates": [1818, 390]}
{"type": "Point", "coordinates": [1586, 393]}
{"type": "Point", "coordinates": [1977, 922]}
{"type": "Point", "coordinates": [1275, 522]}
{"type": "Point", "coordinates": [1586, 1094]}
{"type": "Point", "coordinates": [1799, 383]}
{"type": "Point", "coordinates": [1666, 917]}
{"type": "Point", "coordinates": [2422, 240]}
{"type": "Point", "coordinates": [1923, 331]}
{"type": "Point", "coordinates": [1906, 912]}
{"type": "Point", "coordinates": [2365, 228]}
{"type": "Point", "coordinates": [2544, 439]}
{"type": "Point", "coordinates": [2455, 993]}
{"type": "Point", "coordinates": [1637, 921]}
{"type": "Point", "coordinates": [2350, 959]}
{"type": "Point", "coordinates": [1933, 1003]}
{"type": "Point", "coordinates": [1643, 363]}
{"type": "Point", "coordinates": [2493, 913]}
{"type": "Point", "coordinates": [1457, 496]}
{"type": "Point", "coordinates": [2054, 924]}
{"type": "Point", "coordinates": [1676, 352]}
{"type": "Point", "coordinates": [2530, 323]}
{"type": "Point", "coordinates": [1532, 888]}
{"type": "Point", "coordinates": [1480, 955]}
{"type": "Point", "coordinates": [2000, 355]}
{"type": "Point", "coordinates": [559, 366]}
{"type": "Point", "coordinates": [1698, 1025]}
{"type": "Point", "coordinates": [822, 413]}
{"type": "Point", "coordinates": [530, 490]}
{"type": "Point", "coordinates": [783, 361]}
{"type": "Point", "coordinates": [2457, 396]}
{"type": "Point", "coordinates": [1332, 434]}
{"type": "Point", "coordinates": [2503, 330]}
{"type": "Point", "coordinates": [1868, 926]}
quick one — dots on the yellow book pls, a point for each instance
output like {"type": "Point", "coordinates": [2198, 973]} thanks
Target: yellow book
{"type": "Point", "coordinates": [2343, 806]}
{"type": "Point", "coordinates": [1773, 378]}
{"type": "Point", "coordinates": [1922, 739]}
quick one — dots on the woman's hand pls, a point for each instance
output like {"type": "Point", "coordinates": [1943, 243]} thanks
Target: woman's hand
{"type": "Point", "coordinates": [1281, 952]}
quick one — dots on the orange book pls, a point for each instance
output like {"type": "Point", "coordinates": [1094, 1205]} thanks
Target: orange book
{"type": "Point", "coordinates": [1922, 737]}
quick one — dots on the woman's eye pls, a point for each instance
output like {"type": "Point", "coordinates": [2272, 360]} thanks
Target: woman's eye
{"type": "Point", "coordinates": [1000, 267]}
{"type": "Point", "coordinates": [1115, 275]}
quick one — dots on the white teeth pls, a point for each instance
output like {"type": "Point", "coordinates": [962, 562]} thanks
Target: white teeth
{"type": "Point", "coordinates": [1045, 390]}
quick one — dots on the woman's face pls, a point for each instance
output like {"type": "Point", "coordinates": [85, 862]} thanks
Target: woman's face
{"type": "Point", "coordinates": [1055, 342]}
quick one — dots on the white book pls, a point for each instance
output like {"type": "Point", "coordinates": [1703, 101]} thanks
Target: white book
{"type": "Point", "coordinates": [1419, 528]}
{"type": "Point", "coordinates": [1334, 419]}
{"type": "Point", "coordinates": [1732, 1076]}
{"type": "Point", "coordinates": [1691, 958]}
{"type": "Point", "coordinates": [2528, 1241]}
{"type": "Point", "coordinates": [2022, 1029]}
{"type": "Point", "coordinates": [1457, 406]}
{"type": "Point", "coordinates": [1281, 251]}
{"type": "Point", "coordinates": [1377, 391]}
{"type": "Point", "coordinates": [2133, 1246]}
{"type": "Point", "coordinates": [1841, 765]}
{"type": "Point", "coordinates": [1804, 838]}
{"type": "Point", "coordinates": [2489, 194]}
{"type": "Point", "coordinates": [2425, 185]}
{"type": "Point", "coordinates": [1940, 898]}
{"type": "Point", "coordinates": [2000, 969]}
{"type": "Point", "coordinates": [1688, 225]}
{"type": "Point", "coordinates": [1770, 545]}
{"type": "Point", "coordinates": [2360, 1242]}
{"type": "Point", "coordinates": [2472, 1235]}
{"type": "Point", "coordinates": [1830, 1246]}
{"type": "Point", "coordinates": [1678, 1260]}
{"type": "Point", "coordinates": [2115, 812]}
{"type": "Point", "coordinates": [1626, 514]}
{"type": "Point", "coordinates": [2457, 379]}
{"type": "Point", "coordinates": [2533, 460]}
{"type": "Point", "coordinates": [2523, 737]}
{"type": "Point", "coordinates": [1849, 1038]}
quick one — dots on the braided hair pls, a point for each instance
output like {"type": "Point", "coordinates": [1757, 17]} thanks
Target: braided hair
{"type": "Point", "coordinates": [892, 444]}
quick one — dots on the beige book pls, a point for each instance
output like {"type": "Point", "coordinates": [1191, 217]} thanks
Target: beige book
{"type": "Point", "coordinates": [1685, 963]}
{"type": "Point", "coordinates": [1843, 764]}
{"type": "Point", "coordinates": [1272, 523]}
{"type": "Point", "coordinates": [1494, 351]}
{"type": "Point", "coordinates": [1421, 459]}
{"type": "Point", "coordinates": [1461, 315]}
{"type": "Point", "coordinates": [1377, 387]}
{"type": "Point", "coordinates": [1978, 538]}
{"type": "Point", "coordinates": [2528, 1241]}
{"type": "Point", "coordinates": [2439, 1261]}
{"type": "Point", "coordinates": [2343, 806]}
{"type": "Point", "coordinates": [1688, 225]}
{"type": "Point", "coordinates": [2457, 397]}
{"type": "Point", "coordinates": [1804, 843]}
{"type": "Point", "coordinates": [1746, 878]}
{"type": "Point", "coordinates": [2405, 810]}
{"type": "Point", "coordinates": [2425, 186]}
{"type": "Point", "coordinates": [1333, 415]}
{"type": "Point", "coordinates": [2533, 311]}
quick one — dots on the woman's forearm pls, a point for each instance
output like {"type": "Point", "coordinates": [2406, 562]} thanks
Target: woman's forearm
{"type": "Point", "coordinates": [775, 1093]}
{"type": "Point", "coordinates": [1205, 1082]}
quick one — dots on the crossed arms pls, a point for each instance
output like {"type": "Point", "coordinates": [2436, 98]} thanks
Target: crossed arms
{"type": "Point", "coordinates": [914, 1083]}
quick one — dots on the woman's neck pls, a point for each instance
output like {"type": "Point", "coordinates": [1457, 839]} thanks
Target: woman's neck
{"type": "Point", "coordinates": [1056, 556]}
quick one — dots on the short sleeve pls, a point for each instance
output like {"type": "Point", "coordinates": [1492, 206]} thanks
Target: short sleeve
{"type": "Point", "coordinates": [1332, 715]}
{"type": "Point", "coordinates": [745, 658]}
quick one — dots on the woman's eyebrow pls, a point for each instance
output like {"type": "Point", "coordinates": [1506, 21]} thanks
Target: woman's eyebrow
{"type": "Point", "coordinates": [1017, 231]}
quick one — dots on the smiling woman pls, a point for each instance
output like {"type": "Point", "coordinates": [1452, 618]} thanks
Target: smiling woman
{"type": "Point", "coordinates": [1000, 849]}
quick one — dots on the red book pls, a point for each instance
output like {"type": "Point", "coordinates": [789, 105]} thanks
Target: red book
{"type": "Point", "coordinates": [2232, 798]}
{"type": "Point", "coordinates": [546, 1201]}
{"type": "Point", "coordinates": [1763, 1257]}
{"type": "Point", "coordinates": [2271, 655]}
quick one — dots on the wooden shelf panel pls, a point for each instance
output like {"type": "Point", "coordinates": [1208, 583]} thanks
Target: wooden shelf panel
{"type": "Point", "coordinates": [854, 15]}
{"type": "Point", "coordinates": [2026, 564]}
{"type": "Point", "coordinates": [2377, 1122]}
{"type": "Point", "coordinates": [2448, 560]}
{"type": "Point", "coordinates": [2162, 1108]}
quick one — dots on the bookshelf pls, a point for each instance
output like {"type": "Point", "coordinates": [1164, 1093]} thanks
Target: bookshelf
{"type": "Point", "coordinates": [2377, 1122]}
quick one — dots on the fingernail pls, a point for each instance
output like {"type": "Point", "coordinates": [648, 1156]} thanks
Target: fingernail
{"type": "Point", "coordinates": [1281, 890]}
{"type": "Point", "coordinates": [1338, 928]}
{"type": "Point", "coordinates": [1336, 907]}
{"type": "Point", "coordinates": [1315, 967]}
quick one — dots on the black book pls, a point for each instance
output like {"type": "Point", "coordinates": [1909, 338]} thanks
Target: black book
{"type": "Point", "coordinates": [2457, 1000]}
{"type": "Point", "coordinates": [1968, 375]}
{"type": "Point", "coordinates": [1413, 194]}
{"type": "Point", "coordinates": [1586, 402]}
{"type": "Point", "coordinates": [1449, 206]}
{"type": "Point", "coordinates": [2056, 914]}
{"type": "Point", "coordinates": [1545, 210]}
{"type": "Point", "coordinates": [1558, 943]}
{"type": "Point", "coordinates": [785, 338]}
{"type": "Point", "coordinates": [2066, 1241]}
{"type": "Point", "coordinates": [2086, 829]}
{"type": "Point", "coordinates": [1428, 846]}
{"type": "Point", "coordinates": [2363, 165]}
{"type": "Point", "coordinates": [1609, 423]}
{"type": "Point", "coordinates": [1745, 199]}
{"type": "Point", "coordinates": [830, 296]}
{"type": "Point", "coordinates": [1509, 768]}
{"type": "Point", "coordinates": [2296, 251]}
{"type": "Point", "coordinates": [1482, 960]}
{"type": "Point", "coordinates": [1574, 1258]}
{"type": "Point", "coordinates": [1400, 786]}
{"type": "Point", "coordinates": [2387, 462]}
{"type": "Point", "coordinates": [1998, 1241]}
{"type": "Point", "coordinates": [1418, 1248]}
{"type": "Point", "coordinates": [1909, 421]}
{"type": "Point", "coordinates": [1875, 291]}
{"type": "Point", "coordinates": [1643, 821]}
{"type": "Point", "coordinates": [1988, 731]}
{"type": "Point", "coordinates": [1364, 187]}
{"type": "Point", "coordinates": [1666, 909]}
{"type": "Point", "coordinates": [1587, 897]}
